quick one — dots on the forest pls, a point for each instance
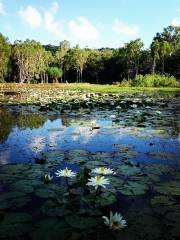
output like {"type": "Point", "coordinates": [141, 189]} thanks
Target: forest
{"type": "Point", "coordinates": [31, 62]}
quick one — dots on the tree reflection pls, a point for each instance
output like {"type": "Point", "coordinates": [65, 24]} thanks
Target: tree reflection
{"type": "Point", "coordinates": [9, 120]}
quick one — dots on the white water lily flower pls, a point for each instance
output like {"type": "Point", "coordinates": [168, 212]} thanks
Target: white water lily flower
{"type": "Point", "coordinates": [103, 171]}
{"type": "Point", "coordinates": [115, 222]}
{"type": "Point", "coordinates": [65, 173]}
{"type": "Point", "coordinates": [48, 177]}
{"type": "Point", "coordinates": [98, 181]}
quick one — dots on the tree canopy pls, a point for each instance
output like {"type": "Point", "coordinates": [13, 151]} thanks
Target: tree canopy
{"type": "Point", "coordinates": [30, 62]}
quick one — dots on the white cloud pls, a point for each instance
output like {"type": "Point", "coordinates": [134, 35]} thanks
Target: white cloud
{"type": "Point", "coordinates": [2, 11]}
{"type": "Point", "coordinates": [50, 24]}
{"type": "Point", "coordinates": [82, 29]}
{"type": "Point", "coordinates": [175, 22]}
{"type": "Point", "coordinates": [46, 19]}
{"type": "Point", "coordinates": [123, 28]}
{"type": "Point", "coordinates": [31, 16]}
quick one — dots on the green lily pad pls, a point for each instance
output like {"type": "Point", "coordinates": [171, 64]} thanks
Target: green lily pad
{"type": "Point", "coordinates": [106, 198]}
{"type": "Point", "coordinates": [177, 175]}
{"type": "Point", "coordinates": [53, 209]}
{"type": "Point", "coordinates": [79, 222]}
{"type": "Point", "coordinates": [13, 200]}
{"type": "Point", "coordinates": [158, 169]}
{"type": "Point", "coordinates": [133, 188]}
{"type": "Point", "coordinates": [14, 225]}
{"type": "Point", "coordinates": [163, 155]}
{"type": "Point", "coordinates": [128, 170]}
{"type": "Point", "coordinates": [50, 228]}
{"type": "Point", "coordinates": [25, 186]}
{"type": "Point", "coordinates": [168, 188]}
{"type": "Point", "coordinates": [162, 200]}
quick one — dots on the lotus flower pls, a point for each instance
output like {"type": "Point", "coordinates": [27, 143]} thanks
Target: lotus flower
{"type": "Point", "coordinates": [48, 178]}
{"type": "Point", "coordinates": [98, 181]}
{"type": "Point", "coordinates": [115, 222]}
{"type": "Point", "coordinates": [65, 173]}
{"type": "Point", "coordinates": [103, 171]}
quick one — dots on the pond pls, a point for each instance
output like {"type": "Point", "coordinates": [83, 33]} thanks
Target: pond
{"type": "Point", "coordinates": [139, 141]}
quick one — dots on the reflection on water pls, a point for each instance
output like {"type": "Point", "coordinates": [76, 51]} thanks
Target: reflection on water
{"type": "Point", "coordinates": [150, 131]}
{"type": "Point", "coordinates": [127, 140]}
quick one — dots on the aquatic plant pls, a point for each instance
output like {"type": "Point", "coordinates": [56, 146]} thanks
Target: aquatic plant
{"type": "Point", "coordinates": [103, 171]}
{"type": "Point", "coordinates": [98, 181]}
{"type": "Point", "coordinates": [47, 178]}
{"type": "Point", "coordinates": [115, 222]}
{"type": "Point", "coordinates": [65, 173]}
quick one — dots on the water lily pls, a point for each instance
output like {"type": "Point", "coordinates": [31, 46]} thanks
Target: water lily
{"type": "Point", "coordinates": [98, 181]}
{"type": "Point", "coordinates": [103, 171]}
{"type": "Point", "coordinates": [115, 222]}
{"type": "Point", "coordinates": [48, 178]}
{"type": "Point", "coordinates": [65, 173]}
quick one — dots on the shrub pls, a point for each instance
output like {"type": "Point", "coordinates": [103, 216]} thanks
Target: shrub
{"type": "Point", "coordinates": [155, 80]}
{"type": "Point", "coordinates": [126, 83]}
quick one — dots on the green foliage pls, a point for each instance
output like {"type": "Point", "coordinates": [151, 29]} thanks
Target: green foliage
{"type": "Point", "coordinates": [54, 72]}
{"type": "Point", "coordinates": [4, 57]}
{"type": "Point", "coordinates": [155, 80]}
{"type": "Point", "coordinates": [30, 62]}
{"type": "Point", "coordinates": [125, 83]}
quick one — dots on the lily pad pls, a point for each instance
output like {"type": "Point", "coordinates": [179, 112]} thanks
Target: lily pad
{"type": "Point", "coordinates": [106, 198]}
{"type": "Point", "coordinates": [13, 200]}
{"type": "Point", "coordinates": [128, 170]}
{"type": "Point", "coordinates": [80, 222]}
{"type": "Point", "coordinates": [50, 228]}
{"type": "Point", "coordinates": [15, 225]}
{"type": "Point", "coordinates": [53, 209]}
{"type": "Point", "coordinates": [162, 200]}
{"type": "Point", "coordinates": [168, 188]}
{"type": "Point", "coordinates": [133, 188]}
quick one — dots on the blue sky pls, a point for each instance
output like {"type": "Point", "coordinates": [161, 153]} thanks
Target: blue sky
{"type": "Point", "coordinates": [93, 23]}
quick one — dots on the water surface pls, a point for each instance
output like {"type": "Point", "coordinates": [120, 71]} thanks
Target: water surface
{"type": "Point", "coordinates": [141, 143]}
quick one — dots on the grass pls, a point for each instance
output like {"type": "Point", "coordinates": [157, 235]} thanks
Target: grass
{"type": "Point", "coordinates": [86, 87]}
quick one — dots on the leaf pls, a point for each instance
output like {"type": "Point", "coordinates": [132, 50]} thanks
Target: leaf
{"type": "Point", "coordinates": [53, 209]}
{"type": "Point", "coordinates": [50, 228]}
{"type": "Point", "coordinates": [168, 188]}
{"type": "Point", "coordinates": [15, 225]}
{"type": "Point", "coordinates": [81, 222]}
{"type": "Point", "coordinates": [13, 200]}
{"type": "Point", "coordinates": [133, 188]}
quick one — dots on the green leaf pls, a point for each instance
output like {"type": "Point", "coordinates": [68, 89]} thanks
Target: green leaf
{"type": "Point", "coordinates": [81, 222]}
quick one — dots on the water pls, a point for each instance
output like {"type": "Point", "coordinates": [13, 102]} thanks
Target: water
{"type": "Point", "coordinates": [141, 144]}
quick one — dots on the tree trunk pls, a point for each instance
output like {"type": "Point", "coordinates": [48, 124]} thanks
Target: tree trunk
{"type": "Point", "coordinates": [137, 68]}
{"type": "Point", "coordinates": [81, 72]}
{"type": "Point", "coordinates": [128, 74]}
{"type": "Point", "coordinates": [154, 66]}
{"type": "Point", "coordinates": [163, 64]}
{"type": "Point", "coordinates": [64, 75]}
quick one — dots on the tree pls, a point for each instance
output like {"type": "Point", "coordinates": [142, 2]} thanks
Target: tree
{"type": "Point", "coordinates": [4, 57]}
{"type": "Point", "coordinates": [132, 55]}
{"type": "Point", "coordinates": [54, 73]}
{"type": "Point", "coordinates": [171, 34]}
{"type": "Point", "coordinates": [44, 59]}
{"type": "Point", "coordinates": [64, 46]}
{"type": "Point", "coordinates": [155, 48]}
{"type": "Point", "coordinates": [24, 58]}
{"type": "Point", "coordinates": [94, 65]}
{"type": "Point", "coordinates": [77, 58]}
{"type": "Point", "coordinates": [164, 50]}
{"type": "Point", "coordinates": [31, 60]}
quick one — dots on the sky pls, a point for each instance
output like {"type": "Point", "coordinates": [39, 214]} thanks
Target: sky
{"type": "Point", "coordinates": [89, 23]}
